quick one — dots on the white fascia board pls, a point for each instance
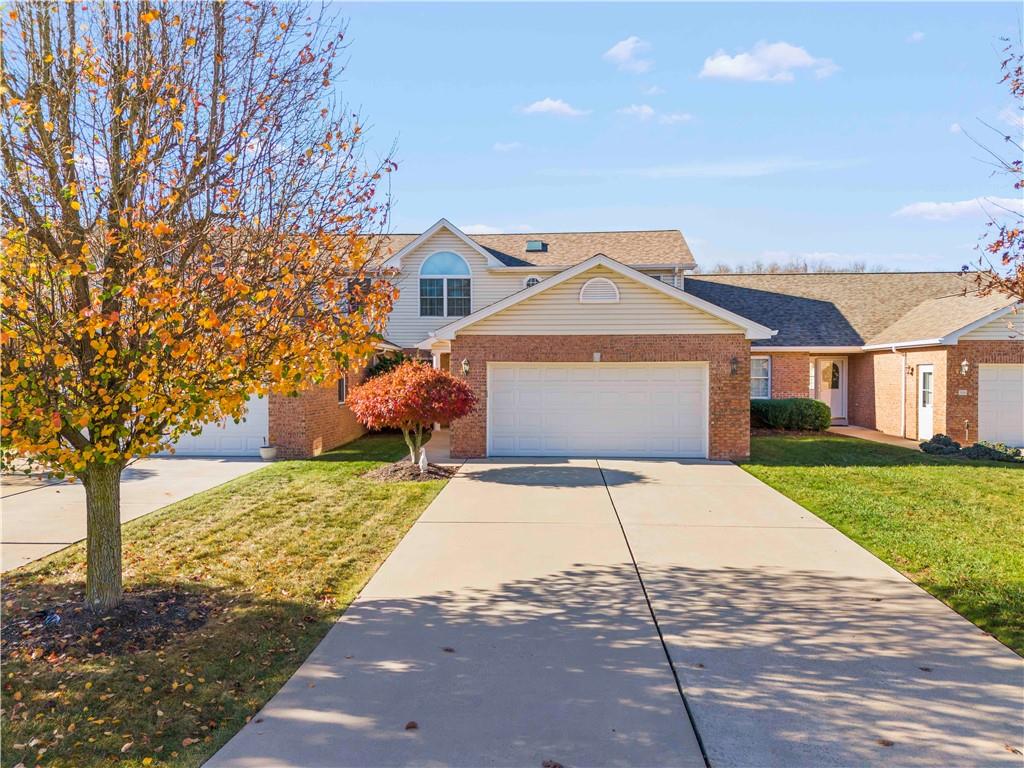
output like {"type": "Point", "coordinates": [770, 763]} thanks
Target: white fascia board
{"type": "Point", "coordinates": [954, 337]}
{"type": "Point", "coordinates": [559, 268]}
{"type": "Point", "coordinates": [905, 344]}
{"type": "Point", "coordinates": [752, 330]}
{"type": "Point", "coordinates": [387, 345]}
{"type": "Point", "coordinates": [395, 262]}
{"type": "Point", "coordinates": [950, 339]}
{"type": "Point", "coordinates": [838, 350]}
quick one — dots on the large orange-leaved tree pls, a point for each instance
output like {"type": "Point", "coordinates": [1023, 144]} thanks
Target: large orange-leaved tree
{"type": "Point", "coordinates": [184, 203]}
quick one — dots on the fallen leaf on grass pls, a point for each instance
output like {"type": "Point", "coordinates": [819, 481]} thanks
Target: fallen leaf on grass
{"type": "Point", "coordinates": [884, 742]}
{"type": "Point", "coordinates": [551, 764]}
{"type": "Point", "coordinates": [412, 725]}
{"type": "Point", "coordinates": [446, 649]}
{"type": "Point", "coordinates": [1014, 750]}
{"type": "Point", "coordinates": [186, 742]}
{"type": "Point", "coordinates": [128, 745]}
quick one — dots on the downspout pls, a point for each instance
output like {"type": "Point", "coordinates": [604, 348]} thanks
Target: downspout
{"type": "Point", "coordinates": [903, 393]}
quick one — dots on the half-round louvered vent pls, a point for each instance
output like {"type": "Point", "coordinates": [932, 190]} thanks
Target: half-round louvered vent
{"type": "Point", "coordinates": [599, 290]}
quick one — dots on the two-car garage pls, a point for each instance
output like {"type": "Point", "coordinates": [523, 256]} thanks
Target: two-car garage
{"type": "Point", "coordinates": [598, 409]}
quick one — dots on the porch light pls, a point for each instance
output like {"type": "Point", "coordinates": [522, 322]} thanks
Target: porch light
{"type": "Point", "coordinates": [465, 367]}
{"type": "Point", "coordinates": [734, 366]}
{"type": "Point", "coordinates": [964, 367]}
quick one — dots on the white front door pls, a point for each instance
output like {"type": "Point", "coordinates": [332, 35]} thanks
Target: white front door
{"type": "Point", "coordinates": [830, 383]}
{"type": "Point", "coordinates": [597, 409]}
{"type": "Point", "coordinates": [925, 404]}
{"type": "Point", "coordinates": [1001, 403]}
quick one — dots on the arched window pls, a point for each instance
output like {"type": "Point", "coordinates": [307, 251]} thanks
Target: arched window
{"type": "Point", "coordinates": [599, 290]}
{"type": "Point", "coordinates": [444, 286]}
{"type": "Point", "coordinates": [531, 281]}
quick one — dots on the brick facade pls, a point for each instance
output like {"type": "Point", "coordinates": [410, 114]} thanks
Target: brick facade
{"type": "Point", "coordinates": [962, 410]}
{"type": "Point", "coordinates": [877, 380]}
{"type": "Point", "coordinates": [791, 374]}
{"type": "Point", "coordinates": [313, 422]}
{"type": "Point", "coordinates": [729, 395]}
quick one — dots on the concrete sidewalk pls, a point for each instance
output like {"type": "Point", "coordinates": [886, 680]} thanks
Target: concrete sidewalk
{"type": "Point", "coordinates": [509, 625]}
{"type": "Point", "coordinates": [43, 516]}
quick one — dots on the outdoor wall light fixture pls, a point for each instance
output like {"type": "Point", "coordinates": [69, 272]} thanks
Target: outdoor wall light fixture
{"type": "Point", "coordinates": [964, 367]}
{"type": "Point", "coordinates": [465, 367]}
{"type": "Point", "coordinates": [734, 366]}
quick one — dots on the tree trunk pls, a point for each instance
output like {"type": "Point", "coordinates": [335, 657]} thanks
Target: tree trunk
{"type": "Point", "coordinates": [414, 441]}
{"type": "Point", "coordinates": [103, 538]}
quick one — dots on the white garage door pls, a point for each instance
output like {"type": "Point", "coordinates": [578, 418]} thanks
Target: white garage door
{"type": "Point", "coordinates": [1001, 404]}
{"type": "Point", "coordinates": [597, 409]}
{"type": "Point", "coordinates": [226, 438]}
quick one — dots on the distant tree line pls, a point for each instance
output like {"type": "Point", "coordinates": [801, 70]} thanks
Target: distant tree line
{"type": "Point", "coordinates": [795, 264]}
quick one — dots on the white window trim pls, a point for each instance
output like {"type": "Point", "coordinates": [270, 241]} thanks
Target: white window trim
{"type": "Point", "coordinates": [528, 278]}
{"type": "Point", "coordinates": [583, 290]}
{"type": "Point", "coordinates": [769, 359]}
{"type": "Point", "coordinates": [444, 286]}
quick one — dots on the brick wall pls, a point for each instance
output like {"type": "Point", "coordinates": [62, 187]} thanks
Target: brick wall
{"type": "Point", "coordinates": [962, 410]}
{"type": "Point", "coordinates": [313, 422]}
{"type": "Point", "coordinates": [729, 417]}
{"type": "Point", "coordinates": [791, 374]}
{"type": "Point", "coordinates": [878, 378]}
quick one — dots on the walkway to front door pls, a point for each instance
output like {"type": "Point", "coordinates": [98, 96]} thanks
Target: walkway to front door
{"type": "Point", "coordinates": [530, 615]}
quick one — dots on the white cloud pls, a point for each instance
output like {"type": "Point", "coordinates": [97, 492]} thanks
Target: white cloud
{"type": "Point", "coordinates": [675, 118]}
{"type": "Point", "coordinates": [725, 169]}
{"type": "Point", "coordinates": [551, 106]}
{"type": "Point", "coordinates": [627, 55]}
{"type": "Point", "coordinates": [639, 111]}
{"type": "Point", "coordinates": [488, 229]}
{"type": "Point", "coordinates": [978, 207]}
{"type": "Point", "coordinates": [507, 146]}
{"type": "Point", "coordinates": [1012, 115]}
{"type": "Point", "coordinates": [915, 37]}
{"type": "Point", "coordinates": [653, 90]}
{"type": "Point", "coordinates": [766, 62]}
{"type": "Point", "coordinates": [955, 128]}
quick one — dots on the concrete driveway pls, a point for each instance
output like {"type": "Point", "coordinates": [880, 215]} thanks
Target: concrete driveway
{"type": "Point", "coordinates": [41, 517]}
{"type": "Point", "coordinates": [511, 626]}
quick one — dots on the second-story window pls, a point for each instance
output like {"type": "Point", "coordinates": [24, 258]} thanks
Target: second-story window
{"type": "Point", "coordinates": [445, 288]}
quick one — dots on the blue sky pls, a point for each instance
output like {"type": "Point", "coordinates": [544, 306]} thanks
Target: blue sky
{"type": "Point", "coordinates": [761, 131]}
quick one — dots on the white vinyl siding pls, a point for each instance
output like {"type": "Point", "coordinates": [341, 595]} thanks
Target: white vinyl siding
{"type": "Point", "coordinates": [639, 310]}
{"type": "Point", "coordinates": [405, 326]}
{"type": "Point", "coordinates": [999, 329]}
{"type": "Point", "coordinates": [597, 409]}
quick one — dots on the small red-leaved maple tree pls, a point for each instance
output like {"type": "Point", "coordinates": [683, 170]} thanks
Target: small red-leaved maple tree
{"type": "Point", "coordinates": [411, 398]}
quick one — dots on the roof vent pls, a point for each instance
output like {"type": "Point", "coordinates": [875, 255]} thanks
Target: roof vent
{"type": "Point", "coordinates": [599, 290]}
{"type": "Point", "coordinates": [536, 246]}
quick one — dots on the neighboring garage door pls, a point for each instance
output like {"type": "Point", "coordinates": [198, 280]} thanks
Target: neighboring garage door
{"type": "Point", "coordinates": [1001, 404]}
{"type": "Point", "coordinates": [597, 409]}
{"type": "Point", "coordinates": [226, 438]}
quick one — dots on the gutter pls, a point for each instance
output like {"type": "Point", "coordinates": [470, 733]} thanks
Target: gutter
{"type": "Point", "coordinates": [903, 393]}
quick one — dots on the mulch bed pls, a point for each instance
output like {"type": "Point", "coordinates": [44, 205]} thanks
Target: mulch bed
{"type": "Point", "coordinates": [146, 620]}
{"type": "Point", "coordinates": [406, 471]}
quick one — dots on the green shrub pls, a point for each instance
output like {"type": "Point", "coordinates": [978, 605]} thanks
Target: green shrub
{"type": "Point", "coordinates": [792, 413]}
{"type": "Point", "coordinates": [941, 445]}
{"type": "Point", "coordinates": [993, 452]}
{"type": "Point", "coordinates": [385, 363]}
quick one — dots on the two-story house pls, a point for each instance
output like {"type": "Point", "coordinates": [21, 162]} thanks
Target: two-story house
{"type": "Point", "coordinates": [607, 344]}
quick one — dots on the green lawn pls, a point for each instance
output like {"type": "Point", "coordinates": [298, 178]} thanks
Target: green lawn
{"type": "Point", "coordinates": [278, 555]}
{"type": "Point", "coordinates": [954, 526]}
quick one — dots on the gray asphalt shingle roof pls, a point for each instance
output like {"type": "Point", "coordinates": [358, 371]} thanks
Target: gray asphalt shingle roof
{"type": "Point", "coordinates": [849, 309]}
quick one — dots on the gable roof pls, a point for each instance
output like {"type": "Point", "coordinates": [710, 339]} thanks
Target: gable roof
{"type": "Point", "coordinates": [665, 247]}
{"type": "Point", "coordinates": [752, 330]}
{"type": "Point", "coordinates": [850, 309]}
{"type": "Point", "coordinates": [942, 319]}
